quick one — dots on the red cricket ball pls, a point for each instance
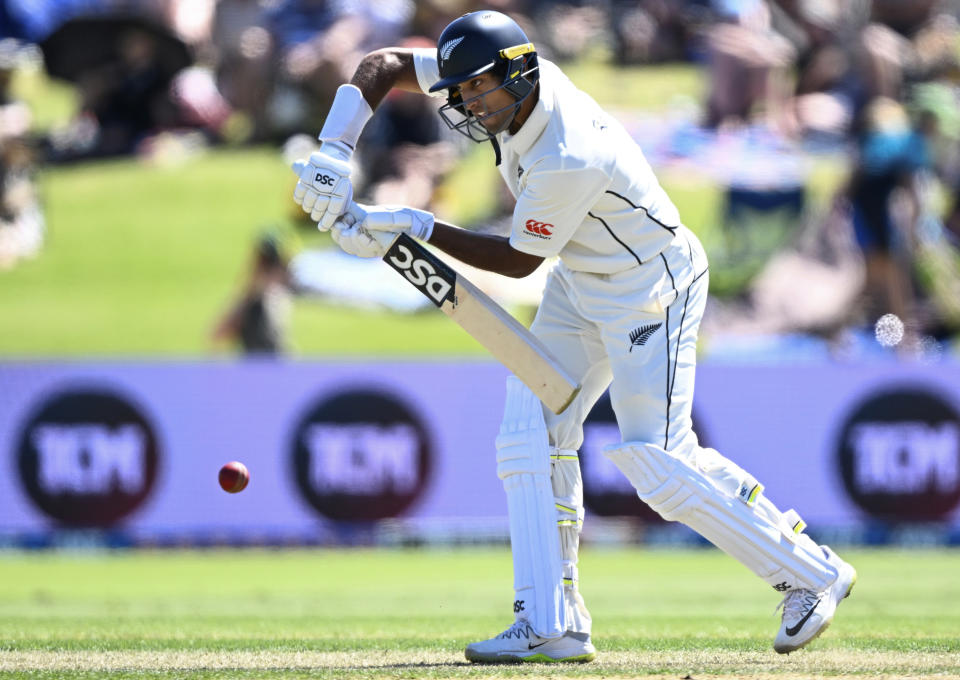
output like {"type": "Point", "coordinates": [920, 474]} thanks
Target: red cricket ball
{"type": "Point", "coordinates": [234, 477]}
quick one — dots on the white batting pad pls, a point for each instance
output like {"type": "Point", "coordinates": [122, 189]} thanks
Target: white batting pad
{"type": "Point", "coordinates": [724, 504]}
{"type": "Point", "coordinates": [523, 463]}
{"type": "Point", "coordinates": [568, 501]}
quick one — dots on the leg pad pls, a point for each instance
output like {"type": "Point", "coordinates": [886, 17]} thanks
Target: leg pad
{"type": "Point", "coordinates": [725, 505]}
{"type": "Point", "coordinates": [523, 463]}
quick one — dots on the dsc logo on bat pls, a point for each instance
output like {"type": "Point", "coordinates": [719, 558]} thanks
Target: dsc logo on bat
{"type": "Point", "coordinates": [430, 275]}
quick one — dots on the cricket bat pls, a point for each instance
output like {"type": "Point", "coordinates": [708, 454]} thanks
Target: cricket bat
{"type": "Point", "coordinates": [489, 323]}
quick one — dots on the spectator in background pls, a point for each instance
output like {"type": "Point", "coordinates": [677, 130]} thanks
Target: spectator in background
{"type": "Point", "coordinates": [192, 21]}
{"type": "Point", "coordinates": [124, 67]}
{"type": "Point", "coordinates": [570, 28]}
{"type": "Point", "coordinates": [129, 98]}
{"type": "Point", "coordinates": [906, 42]}
{"type": "Point", "coordinates": [11, 26]}
{"type": "Point", "coordinates": [654, 31]}
{"type": "Point", "coordinates": [935, 106]}
{"type": "Point", "coordinates": [952, 222]}
{"type": "Point", "coordinates": [258, 320]}
{"type": "Point", "coordinates": [823, 35]}
{"type": "Point", "coordinates": [747, 63]}
{"type": "Point", "coordinates": [34, 20]}
{"type": "Point", "coordinates": [431, 16]}
{"type": "Point", "coordinates": [309, 40]}
{"type": "Point", "coordinates": [851, 51]}
{"type": "Point", "coordinates": [842, 53]}
{"type": "Point", "coordinates": [21, 219]}
{"type": "Point", "coordinates": [885, 203]}
{"type": "Point", "coordinates": [278, 62]}
{"type": "Point", "coordinates": [406, 151]}
{"type": "Point", "coordinates": [243, 57]}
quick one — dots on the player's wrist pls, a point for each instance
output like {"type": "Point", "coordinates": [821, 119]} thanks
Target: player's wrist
{"type": "Point", "coordinates": [348, 115]}
{"type": "Point", "coordinates": [421, 224]}
{"type": "Point", "coordinates": [426, 227]}
{"type": "Point", "coordinates": [338, 150]}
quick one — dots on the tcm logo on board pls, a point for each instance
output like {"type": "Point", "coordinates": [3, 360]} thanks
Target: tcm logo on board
{"type": "Point", "coordinates": [87, 457]}
{"type": "Point", "coordinates": [361, 455]}
{"type": "Point", "coordinates": [899, 455]}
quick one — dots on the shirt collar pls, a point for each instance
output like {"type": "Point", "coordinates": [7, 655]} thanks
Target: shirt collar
{"type": "Point", "coordinates": [535, 123]}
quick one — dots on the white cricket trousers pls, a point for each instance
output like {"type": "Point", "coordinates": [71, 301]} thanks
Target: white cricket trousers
{"type": "Point", "coordinates": [636, 332]}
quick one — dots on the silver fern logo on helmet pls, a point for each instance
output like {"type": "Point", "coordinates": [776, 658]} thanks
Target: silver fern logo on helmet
{"type": "Point", "coordinates": [448, 47]}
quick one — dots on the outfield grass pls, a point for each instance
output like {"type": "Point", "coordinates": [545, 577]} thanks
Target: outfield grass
{"type": "Point", "coordinates": [142, 259]}
{"type": "Point", "coordinates": [408, 614]}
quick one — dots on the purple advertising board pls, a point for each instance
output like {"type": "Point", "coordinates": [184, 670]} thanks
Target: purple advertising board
{"type": "Point", "coordinates": [136, 446]}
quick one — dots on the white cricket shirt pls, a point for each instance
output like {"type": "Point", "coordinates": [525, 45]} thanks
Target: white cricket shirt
{"type": "Point", "coordinates": [585, 192]}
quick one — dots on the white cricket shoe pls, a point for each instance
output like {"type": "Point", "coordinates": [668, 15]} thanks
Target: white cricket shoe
{"type": "Point", "coordinates": [519, 643]}
{"type": "Point", "coordinates": [806, 613]}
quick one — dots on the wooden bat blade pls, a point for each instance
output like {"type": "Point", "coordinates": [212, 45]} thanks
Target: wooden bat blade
{"type": "Point", "coordinates": [491, 325]}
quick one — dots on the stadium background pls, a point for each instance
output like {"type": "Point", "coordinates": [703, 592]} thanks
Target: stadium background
{"type": "Point", "coordinates": [126, 380]}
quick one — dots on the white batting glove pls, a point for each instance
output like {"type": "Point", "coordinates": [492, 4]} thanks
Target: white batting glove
{"type": "Point", "coordinates": [355, 240]}
{"type": "Point", "coordinates": [417, 223]}
{"type": "Point", "coordinates": [324, 189]}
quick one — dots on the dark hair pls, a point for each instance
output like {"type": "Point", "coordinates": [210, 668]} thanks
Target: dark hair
{"type": "Point", "coordinates": [268, 252]}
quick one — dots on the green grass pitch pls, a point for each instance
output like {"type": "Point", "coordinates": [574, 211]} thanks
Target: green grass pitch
{"type": "Point", "coordinates": [368, 613]}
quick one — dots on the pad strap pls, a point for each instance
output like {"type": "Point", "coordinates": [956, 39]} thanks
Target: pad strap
{"type": "Point", "coordinates": [568, 502]}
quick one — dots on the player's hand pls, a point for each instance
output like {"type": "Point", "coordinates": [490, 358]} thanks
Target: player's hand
{"type": "Point", "coordinates": [356, 240]}
{"type": "Point", "coordinates": [324, 189]}
{"type": "Point", "coordinates": [417, 223]}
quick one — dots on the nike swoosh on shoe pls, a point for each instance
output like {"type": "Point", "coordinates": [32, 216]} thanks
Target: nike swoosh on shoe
{"type": "Point", "coordinates": [793, 630]}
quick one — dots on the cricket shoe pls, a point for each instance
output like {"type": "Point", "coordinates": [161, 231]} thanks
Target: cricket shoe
{"type": "Point", "coordinates": [518, 644]}
{"type": "Point", "coordinates": [807, 613]}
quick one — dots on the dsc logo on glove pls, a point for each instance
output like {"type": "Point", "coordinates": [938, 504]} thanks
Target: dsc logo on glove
{"type": "Point", "coordinates": [324, 179]}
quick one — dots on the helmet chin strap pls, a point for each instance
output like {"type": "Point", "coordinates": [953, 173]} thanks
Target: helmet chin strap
{"type": "Point", "coordinates": [493, 137]}
{"type": "Point", "coordinates": [471, 126]}
{"type": "Point", "coordinates": [496, 150]}
{"type": "Point", "coordinates": [506, 126]}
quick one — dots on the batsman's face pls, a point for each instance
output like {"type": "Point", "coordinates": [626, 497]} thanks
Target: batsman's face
{"type": "Point", "coordinates": [494, 108]}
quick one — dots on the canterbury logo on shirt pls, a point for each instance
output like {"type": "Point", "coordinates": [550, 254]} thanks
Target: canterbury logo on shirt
{"type": "Point", "coordinates": [539, 229]}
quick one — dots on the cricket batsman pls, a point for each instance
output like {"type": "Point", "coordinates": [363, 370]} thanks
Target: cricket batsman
{"type": "Point", "coordinates": [621, 309]}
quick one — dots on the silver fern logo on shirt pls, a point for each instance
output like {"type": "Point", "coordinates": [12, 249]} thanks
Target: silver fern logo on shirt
{"type": "Point", "coordinates": [448, 46]}
{"type": "Point", "coordinates": [639, 336]}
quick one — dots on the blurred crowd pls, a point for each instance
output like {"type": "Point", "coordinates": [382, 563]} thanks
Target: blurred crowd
{"type": "Point", "coordinates": [873, 80]}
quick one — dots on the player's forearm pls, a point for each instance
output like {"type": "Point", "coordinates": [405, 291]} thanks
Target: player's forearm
{"type": "Point", "coordinates": [483, 251]}
{"type": "Point", "coordinates": [384, 69]}
{"type": "Point", "coordinates": [352, 107]}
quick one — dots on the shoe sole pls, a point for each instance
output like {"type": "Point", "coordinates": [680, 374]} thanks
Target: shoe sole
{"type": "Point", "coordinates": [476, 657]}
{"type": "Point", "coordinates": [826, 624]}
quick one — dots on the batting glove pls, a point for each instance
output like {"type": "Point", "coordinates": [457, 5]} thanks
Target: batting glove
{"type": "Point", "coordinates": [324, 189]}
{"type": "Point", "coordinates": [417, 223]}
{"type": "Point", "coordinates": [356, 240]}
